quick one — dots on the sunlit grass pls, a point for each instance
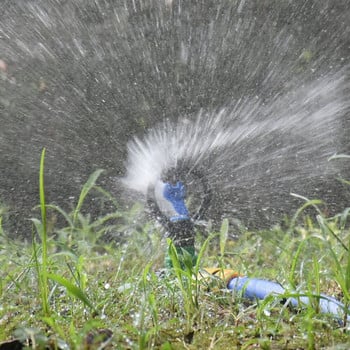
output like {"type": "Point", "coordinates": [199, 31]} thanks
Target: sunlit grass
{"type": "Point", "coordinates": [73, 288]}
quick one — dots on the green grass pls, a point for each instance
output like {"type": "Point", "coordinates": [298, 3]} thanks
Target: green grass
{"type": "Point", "coordinates": [71, 288]}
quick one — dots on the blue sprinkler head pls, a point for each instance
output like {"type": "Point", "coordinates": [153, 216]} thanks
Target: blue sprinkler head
{"type": "Point", "coordinates": [176, 194]}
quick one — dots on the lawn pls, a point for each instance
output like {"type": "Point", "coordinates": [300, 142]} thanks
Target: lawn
{"type": "Point", "coordinates": [101, 283]}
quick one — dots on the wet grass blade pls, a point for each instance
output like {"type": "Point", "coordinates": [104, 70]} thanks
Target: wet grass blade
{"type": "Point", "coordinates": [327, 230]}
{"type": "Point", "coordinates": [62, 212]}
{"type": "Point", "coordinates": [72, 289]}
{"type": "Point", "coordinates": [42, 230]}
{"type": "Point", "coordinates": [201, 254]}
{"type": "Point", "coordinates": [308, 203]}
{"type": "Point", "coordinates": [295, 260]}
{"type": "Point", "coordinates": [85, 190]}
{"type": "Point", "coordinates": [223, 236]}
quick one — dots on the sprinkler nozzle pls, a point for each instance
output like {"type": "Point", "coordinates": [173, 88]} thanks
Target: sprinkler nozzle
{"type": "Point", "coordinates": [176, 194]}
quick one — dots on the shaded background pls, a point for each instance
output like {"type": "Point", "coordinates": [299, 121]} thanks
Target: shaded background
{"type": "Point", "coordinates": [82, 77]}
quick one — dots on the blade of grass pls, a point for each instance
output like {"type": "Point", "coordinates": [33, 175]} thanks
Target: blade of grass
{"type": "Point", "coordinates": [223, 236]}
{"type": "Point", "coordinates": [85, 190]}
{"type": "Point", "coordinates": [42, 230]}
{"type": "Point", "coordinates": [201, 254]}
{"type": "Point", "coordinates": [107, 195]}
{"type": "Point", "coordinates": [343, 219]}
{"type": "Point", "coordinates": [326, 229]}
{"type": "Point", "coordinates": [309, 203]}
{"type": "Point", "coordinates": [72, 289]}
{"type": "Point", "coordinates": [295, 259]}
{"type": "Point", "coordinates": [62, 212]}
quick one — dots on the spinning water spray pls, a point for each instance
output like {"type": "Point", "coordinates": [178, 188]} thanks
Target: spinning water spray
{"type": "Point", "coordinates": [252, 154]}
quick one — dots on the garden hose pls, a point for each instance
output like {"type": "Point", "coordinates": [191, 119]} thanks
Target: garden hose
{"type": "Point", "coordinates": [255, 288]}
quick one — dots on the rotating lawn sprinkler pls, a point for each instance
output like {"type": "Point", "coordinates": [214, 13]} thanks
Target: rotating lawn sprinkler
{"type": "Point", "coordinates": [167, 203]}
{"type": "Point", "coordinates": [166, 199]}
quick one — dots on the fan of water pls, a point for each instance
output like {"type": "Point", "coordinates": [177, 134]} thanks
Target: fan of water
{"type": "Point", "coordinates": [255, 93]}
{"type": "Point", "coordinates": [269, 149]}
